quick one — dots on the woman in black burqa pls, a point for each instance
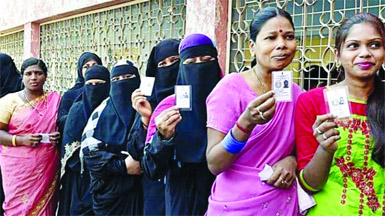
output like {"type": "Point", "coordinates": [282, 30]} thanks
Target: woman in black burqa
{"type": "Point", "coordinates": [115, 174]}
{"type": "Point", "coordinates": [10, 81]}
{"type": "Point", "coordinates": [178, 145]}
{"type": "Point", "coordinates": [86, 60]}
{"type": "Point", "coordinates": [163, 64]}
{"type": "Point", "coordinates": [75, 197]}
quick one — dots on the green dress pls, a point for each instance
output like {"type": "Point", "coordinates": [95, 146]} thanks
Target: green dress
{"type": "Point", "coordinates": [356, 183]}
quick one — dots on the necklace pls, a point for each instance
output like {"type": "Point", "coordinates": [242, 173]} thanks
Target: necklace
{"type": "Point", "coordinates": [259, 80]}
{"type": "Point", "coordinates": [29, 102]}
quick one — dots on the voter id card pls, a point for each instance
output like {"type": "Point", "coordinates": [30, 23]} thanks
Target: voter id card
{"type": "Point", "coordinates": [45, 138]}
{"type": "Point", "coordinates": [183, 97]}
{"type": "Point", "coordinates": [146, 85]}
{"type": "Point", "coordinates": [282, 85]}
{"type": "Point", "coordinates": [337, 100]}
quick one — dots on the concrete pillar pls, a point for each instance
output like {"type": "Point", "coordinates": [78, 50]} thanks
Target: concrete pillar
{"type": "Point", "coordinates": [31, 40]}
{"type": "Point", "coordinates": [209, 17]}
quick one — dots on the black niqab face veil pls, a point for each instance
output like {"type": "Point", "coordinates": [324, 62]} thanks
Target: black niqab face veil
{"type": "Point", "coordinates": [191, 132]}
{"type": "Point", "coordinates": [83, 59]}
{"type": "Point", "coordinates": [81, 110]}
{"type": "Point", "coordinates": [118, 115]}
{"type": "Point", "coordinates": [165, 77]}
{"type": "Point", "coordinates": [10, 78]}
{"type": "Point", "coordinates": [93, 95]}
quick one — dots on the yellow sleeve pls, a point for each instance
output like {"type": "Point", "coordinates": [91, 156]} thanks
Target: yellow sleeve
{"type": "Point", "coordinates": [7, 105]}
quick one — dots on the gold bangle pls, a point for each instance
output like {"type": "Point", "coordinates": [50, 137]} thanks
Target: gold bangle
{"type": "Point", "coordinates": [14, 140]}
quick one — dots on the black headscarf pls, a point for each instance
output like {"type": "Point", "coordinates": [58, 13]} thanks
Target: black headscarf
{"type": "Point", "coordinates": [72, 94]}
{"type": "Point", "coordinates": [165, 77]}
{"type": "Point", "coordinates": [90, 98]}
{"type": "Point", "coordinates": [75, 197]}
{"type": "Point", "coordinates": [10, 78]}
{"type": "Point", "coordinates": [76, 90]}
{"type": "Point", "coordinates": [191, 132]}
{"type": "Point", "coordinates": [118, 115]}
{"type": "Point", "coordinates": [83, 59]}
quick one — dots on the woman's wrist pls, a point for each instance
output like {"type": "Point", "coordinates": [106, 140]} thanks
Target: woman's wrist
{"type": "Point", "coordinates": [243, 129]}
{"type": "Point", "coordinates": [324, 151]}
{"type": "Point", "coordinates": [293, 160]}
{"type": "Point", "coordinates": [245, 124]}
{"type": "Point", "coordinates": [14, 140]}
{"type": "Point", "coordinates": [145, 122]}
{"type": "Point", "coordinates": [231, 144]}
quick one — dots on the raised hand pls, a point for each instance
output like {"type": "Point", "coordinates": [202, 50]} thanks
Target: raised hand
{"type": "Point", "coordinates": [324, 130]}
{"type": "Point", "coordinates": [166, 122]}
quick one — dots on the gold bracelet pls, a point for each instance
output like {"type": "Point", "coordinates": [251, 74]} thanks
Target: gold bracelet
{"type": "Point", "coordinates": [14, 140]}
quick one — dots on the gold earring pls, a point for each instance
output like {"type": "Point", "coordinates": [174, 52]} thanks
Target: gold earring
{"type": "Point", "coordinates": [338, 65]}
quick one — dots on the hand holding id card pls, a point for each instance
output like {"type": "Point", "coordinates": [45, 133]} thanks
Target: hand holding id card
{"type": "Point", "coordinates": [183, 97]}
{"type": "Point", "coordinates": [337, 101]}
{"type": "Point", "coordinates": [282, 85]}
{"type": "Point", "coordinates": [45, 138]}
{"type": "Point", "coordinates": [146, 85]}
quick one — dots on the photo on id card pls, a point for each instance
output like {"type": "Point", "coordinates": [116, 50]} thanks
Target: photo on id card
{"type": "Point", "coordinates": [183, 98]}
{"type": "Point", "coordinates": [282, 85]}
{"type": "Point", "coordinates": [337, 101]}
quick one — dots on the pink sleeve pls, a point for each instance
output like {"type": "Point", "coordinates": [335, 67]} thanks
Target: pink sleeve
{"type": "Point", "coordinates": [224, 105]}
{"type": "Point", "coordinates": [163, 105]}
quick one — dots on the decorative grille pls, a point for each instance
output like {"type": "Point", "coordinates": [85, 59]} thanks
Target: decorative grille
{"type": "Point", "coordinates": [315, 24]}
{"type": "Point", "coordinates": [127, 32]}
{"type": "Point", "coordinates": [13, 45]}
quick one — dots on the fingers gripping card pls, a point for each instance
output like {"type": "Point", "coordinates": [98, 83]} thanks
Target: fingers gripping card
{"type": "Point", "coordinates": [45, 138]}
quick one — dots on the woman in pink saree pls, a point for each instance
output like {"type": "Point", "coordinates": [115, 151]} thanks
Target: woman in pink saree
{"type": "Point", "coordinates": [29, 157]}
{"type": "Point", "coordinates": [250, 129]}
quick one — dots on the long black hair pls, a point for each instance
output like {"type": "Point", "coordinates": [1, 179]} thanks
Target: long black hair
{"type": "Point", "coordinates": [376, 101]}
{"type": "Point", "coordinates": [261, 18]}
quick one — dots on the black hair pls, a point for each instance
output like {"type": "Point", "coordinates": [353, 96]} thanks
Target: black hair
{"type": "Point", "coordinates": [261, 18]}
{"type": "Point", "coordinates": [265, 15]}
{"type": "Point", "coordinates": [376, 101]}
{"type": "Point", "coordinates": [34, 61]}
{"type": "Point", "coordinates": [376, 118]}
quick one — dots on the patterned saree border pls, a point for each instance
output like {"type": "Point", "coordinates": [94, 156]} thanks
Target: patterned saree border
{"type": "Point", "coordinates": [41, 203]}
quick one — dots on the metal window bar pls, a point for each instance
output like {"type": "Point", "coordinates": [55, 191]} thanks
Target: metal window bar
{"type": "Point", "coordinates": [127, 32]}
{"type": "Point", "coordinates": [13, 45]}
{"type": "Point", "coordinates": [315, 22]}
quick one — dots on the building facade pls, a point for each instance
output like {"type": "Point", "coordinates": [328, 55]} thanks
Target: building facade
{"type": "Point", "coordinates": [59, 31]}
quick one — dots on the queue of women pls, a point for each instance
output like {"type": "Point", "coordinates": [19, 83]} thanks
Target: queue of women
{"type": "Point", "coordinates": [104, 148]}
